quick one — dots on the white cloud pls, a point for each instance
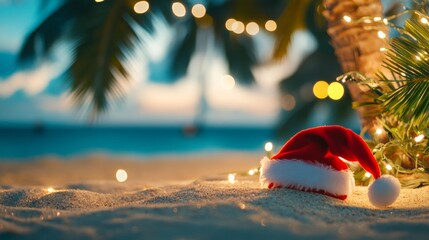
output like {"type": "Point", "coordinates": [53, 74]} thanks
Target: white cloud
{"type": "Point", "coordinates": [31, 82]}
{"type": "Point", "coordinates": [35, 80]}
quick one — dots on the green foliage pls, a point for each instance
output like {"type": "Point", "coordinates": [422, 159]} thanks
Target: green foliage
{"type": "Point", "coordinates": [402, 103]}
{"type": "Point", "coordinates": [101, 37]}
{"type": "Point", "coordinates": [409, 57]}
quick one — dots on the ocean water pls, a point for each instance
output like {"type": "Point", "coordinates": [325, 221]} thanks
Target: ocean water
{"type": "Point", "coordinates": [22, 143]}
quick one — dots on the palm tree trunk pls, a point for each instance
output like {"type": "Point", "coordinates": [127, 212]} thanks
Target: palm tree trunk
{"type": "Point", "coordinates": [357, 45]}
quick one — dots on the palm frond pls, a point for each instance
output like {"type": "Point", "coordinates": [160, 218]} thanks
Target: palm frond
{"type": "Point", "coordinates": [292, 19]}
{"type": "Point", "coordinates": [409, 57]}
{"type": "Point", "coordinates": [105, 39]}
{"type": "Point", "coordinates": [51, 30]}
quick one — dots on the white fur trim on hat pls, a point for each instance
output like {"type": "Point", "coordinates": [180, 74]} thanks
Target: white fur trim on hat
{"type": "Point", "coordinates": [306, 176]}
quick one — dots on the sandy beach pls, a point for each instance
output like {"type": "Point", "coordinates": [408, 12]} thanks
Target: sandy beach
{"type": "Point", "coordinates": [188, 197]}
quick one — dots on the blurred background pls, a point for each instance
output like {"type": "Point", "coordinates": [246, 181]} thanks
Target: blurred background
{"type": "Point", "coordinates": [163, 77]}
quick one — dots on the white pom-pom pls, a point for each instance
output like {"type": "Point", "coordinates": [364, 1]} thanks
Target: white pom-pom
{"type": "Point", "coordinates": [384, 191]}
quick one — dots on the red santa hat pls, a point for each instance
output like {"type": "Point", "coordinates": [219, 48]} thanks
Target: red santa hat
{"type": "Point", "coordinates": [314, 161]}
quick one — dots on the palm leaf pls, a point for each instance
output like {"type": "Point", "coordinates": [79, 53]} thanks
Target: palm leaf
{"type": "Point", "coordinates": [106, 36]}
{"type": "Point", "coordinates": [292, 19]}
{"type": "Point", "coordinates": [51, 29]}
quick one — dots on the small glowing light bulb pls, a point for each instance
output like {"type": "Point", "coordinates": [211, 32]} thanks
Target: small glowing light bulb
{"type": "Point", "coordinates": [389, 167]}
{"type": "Point", "coordinates": [383, 49]}
{"type": "Point", "coordinates": [99, 1]}
{"type": "Point", "coordinates": [367, 174]}
{"type": "Point", "coordinates": [271, 25]}
{"type": "Point", "coordinates": [231, 178]}
{"type": "Point", "coordinates": [419, 138]}
{"type": "Point", "coordinates": [198, 10]}
{"type": "Point", "coordinates": [251, 172]}
{"type": "Point", "coordinates": [268, 146]}
{"type": "Point", "coordinates": [424, 20]}
{"type": "Point", "coordinates": [121, 175]}
{"type": "Point", "coordinates": [385, 21]}
{"type": "Point", "coordinates": [178, 9]}
{"type": "Point", "coordinates": [347, 18]}
{"type": "Point", "coordinates": [50, 190]}
{"type": "Point", "coordinates": [379, 131]}
{"type": "Point", "coordinates": [381, 34]}
{"type": "Point", "coordinates": [376, 19]}
{"type": "Point", "coordinates": [141, 7]}
{"type": "Point", "coordinates": [228, 24]}
{"type": "Point", "coordinates": [252, 28]}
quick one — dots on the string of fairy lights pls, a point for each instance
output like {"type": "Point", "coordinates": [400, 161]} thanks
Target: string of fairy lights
{"type": "Point", "coordinates": [199, 11]}
{"type": "Point", "coordinates": [321, 89]}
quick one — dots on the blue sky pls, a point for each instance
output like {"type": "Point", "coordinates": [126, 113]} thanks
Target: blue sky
{"type": "Point", "coordinates": [41, 95]}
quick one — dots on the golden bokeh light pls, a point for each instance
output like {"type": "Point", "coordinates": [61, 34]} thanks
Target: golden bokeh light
{"type": "Point", "coordinates": [320, 89]}
{"type": "Point", "coordinates": [121, 175]}
{"type": "Point", "coordinates": [228, 23]}
{"type": "Point", "coordinates": [178, 9]}
{"type": "Point", "coordinates": [252, 28]}
{"type": "Point", "coordinates": [141, 7]}
{"type": "Point", "coordinates": [198, 10]}
{"type": "Point", "coordinates": [335, 90]}
{"type": "Point", "coordinates": [238, 27]}
{"type": "Point", "coordinates": [270, 25]}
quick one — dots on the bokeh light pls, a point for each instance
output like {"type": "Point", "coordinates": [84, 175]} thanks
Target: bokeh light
{"type": "Point", "coordinates": [252, 28]}
{"type": "Point", "coordinates": [268, 146]}
{"type": "Point", "coordinates": [178, 9]}
{"type": "Point", "coordinates": [320, 89]}
{"type": "Point", "coordinates": [141, 7]}
{"type": "Point", "coordinates": [335, 90]}
{"type": "Point", "coordinates": [270, 25]}
{"type": "Point", "coordinates": [231, 178]}
{"type": "Point", "coordinates": [198, 10]}
{"type": "Point", "coordinates": [228, 23]}
{"type": "Point", "coordinates": [238, 27]}
{"type": "Point", "coordinates": [121, 175]}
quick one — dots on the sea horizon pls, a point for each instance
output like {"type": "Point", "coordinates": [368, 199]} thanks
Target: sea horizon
{"type": "Point", "coordinates": [26, 141]}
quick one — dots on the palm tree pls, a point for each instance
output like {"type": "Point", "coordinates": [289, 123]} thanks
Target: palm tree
{"type": "Point", "coordinates": [103, 35]}
{"type": "Point", "coordinates": [358, 45]}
